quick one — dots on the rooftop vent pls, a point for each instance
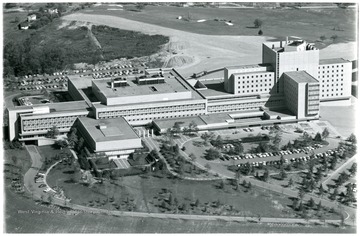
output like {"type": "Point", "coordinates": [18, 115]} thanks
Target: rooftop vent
{"type": "Point", "coordinates": [102, 126]}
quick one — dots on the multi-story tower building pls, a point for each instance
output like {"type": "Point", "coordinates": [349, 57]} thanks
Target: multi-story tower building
{"type": "Point", "coordinates": [335, 78]}
{"type": "Point", "coordinates": [286, 56]}
{"type": "Point", "coordinates": [302, 94]}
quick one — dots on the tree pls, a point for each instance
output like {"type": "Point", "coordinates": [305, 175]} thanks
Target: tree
{"type": "Point", "coordinates": [212, 154]}
{"type": "Point", "coordinates": [221, 185]}
{"type": "Point", "coordinates": [321, 190]}
{"type": "Point", "coordinates": [353, 168]}
{"type": "Point", "coordinates": [322, 37]}
{"type": "Point", "coordinates": [258, 23]}
{"type": "Point", "coordinates": [176, 128]}
{"type": "Point", "coordinates": [325, 133]}
{"type": "Point", "coordinates": [283, 174]}
{"type": "Point", "coordinates": [140, 6]}
{"type": "Point", "coordinates": [72, 137]}
{"type": "Point", "coordinates": [311, 203]}
{"type": "Point", "coordinates": [319, 206]}
{"type": "Point", "coordinates": [334, 37]}
{"type": "Point", "coordinates": [295, 203]}
{"type": "Point", "coordinates": [14, 159]}
{"type": "Point", "coordinates": [352, 138]}
{"type": "Point", "coordinates": [318, 137]}
{"type": "Point", "coordinates": [61, 143]}
{"type": "Point", "coordinates": [260, 32]}
{"type": "Point", "coordinates": [265, 176]}
{"type": "Point", "coordinates": [304, 214]}
{"type": "Point", "coordinates": [218, 142]}
{"type": "Point", "coordinates": [193, 128]}
{"type": "Point", "coordinates": [290, 183]}
{"type": "Point", "coordinates": [238, 175]}
{"type": "Point", "coordinates": [197, 202]}
{"type": "Point", "coordinates": [192, 156]}
{"type": "Point", "coordinates": [80, 144]}
{"type": "Point", "coordinates": [282, 160]}
{"type": "Point", "coordinates": [53, 132]}
{"type": "Point", "coordinates": [238, 148]}
{"type": "Point", "coordinates": [301, 193]}
{"type": "Point", "coordinates": [207, 137]}
{"type": "Point", "coordinates": [334, 194]}
{"type": "Point", "coordinates": [50, 199]}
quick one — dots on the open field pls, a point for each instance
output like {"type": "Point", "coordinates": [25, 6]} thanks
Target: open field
{"type": "Point", "coordinates": [191, 52]}
{"type": "Point", "coordinates": [343, 118]}
{"type": "Point", "coordinates": [307, 23]}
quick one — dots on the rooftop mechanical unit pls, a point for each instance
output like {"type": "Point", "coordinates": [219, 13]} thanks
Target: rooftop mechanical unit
{"type": "Point", "coordinates": [118, 82]}
{"type": "Point", "coordinates": [150, 80]}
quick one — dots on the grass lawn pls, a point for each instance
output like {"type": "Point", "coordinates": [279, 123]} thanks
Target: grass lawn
{"type": "Point", "coordinates": [10, 26]}
{"type": "Point", "coordinates": [147, 193]}
{"type": "Point", "coordinates": [307, 23]}
{"type": "Point", "coordinates": [15, 222]}
{"type": "Point", "coordinates": [21, 157]}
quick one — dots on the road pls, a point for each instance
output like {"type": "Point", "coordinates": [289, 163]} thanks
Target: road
{"type": "Point", "coordinates": [29, 176]}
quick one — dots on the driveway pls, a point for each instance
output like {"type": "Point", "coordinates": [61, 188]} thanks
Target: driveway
{"type": "Point", "coordinates": [29, 176]}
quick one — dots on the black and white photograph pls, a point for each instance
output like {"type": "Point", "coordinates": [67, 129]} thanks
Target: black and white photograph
{"type": "Point", "coordinates": [180, 117]}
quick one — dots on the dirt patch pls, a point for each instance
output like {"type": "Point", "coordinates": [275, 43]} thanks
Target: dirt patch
{"type": "Point", "coordinates": [178, 61]}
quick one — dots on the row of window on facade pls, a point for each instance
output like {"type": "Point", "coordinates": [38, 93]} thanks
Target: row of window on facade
{"type": "Point", "coordinates": [167, 108]}
{"type": "Point", "coordinates": [252, 91]}
{"type": "Point", "coordinates": [121, 113]}
{"type": "Point", "coordinates": [327, 72]}
{"type": "Point", "coordinates": [328, 76]}
{"type": "Point", "coordinates": [152, 118]}
{"type": "Point", "coordinates": [51, 120]}
{"type": "Point", "coordinates": [331, 85]}
{"type": "Point", "coordinates": [256, 76]}
{"type": "Point", "coordinates": [333, 66]}
{"type": "Point", "coordinates": [331, 95]}
{"type": "Point", "coordinates": [256, 81]}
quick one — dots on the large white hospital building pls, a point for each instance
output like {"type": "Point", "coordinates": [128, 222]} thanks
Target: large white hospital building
{"type": "Point", "coordinates": [287, 86]}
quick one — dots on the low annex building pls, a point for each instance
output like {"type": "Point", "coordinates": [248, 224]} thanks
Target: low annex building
{"type": "Point", "coordinates": [115, 137]}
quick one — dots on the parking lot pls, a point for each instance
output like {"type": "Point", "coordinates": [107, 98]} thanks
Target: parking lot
{"type": "Point", "coordinates": [58, 80]}
{"type": "Point", "coordinates": [302, 155]}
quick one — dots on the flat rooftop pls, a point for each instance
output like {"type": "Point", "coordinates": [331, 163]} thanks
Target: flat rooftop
{"type": "Point", "coordinates": [301, 77]}
{"type": "Point", "coordinates": [116, 129]}
{"type": "Point", "coordinates": [215, 118]}
{"type": "Point", "coordinates": [248, 66]}
{"type": "Point", "coordinates": [185, 121]}
{"type": "Point", "coordinates": [332, 61]}
{"type": "Point", "coordinates": [172, 85]}
{"type": "Point", "coordinates": [214, 88]}
{"type": "Point", "coordinates": [80, 82]}
{"type": "Point", "coordinates": [252, 72]}
{"type": "Point", "coordinates": [58, 106]}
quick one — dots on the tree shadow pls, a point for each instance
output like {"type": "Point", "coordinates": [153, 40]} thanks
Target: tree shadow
{"type": "Point", "coordinates": [69, 172]}
{"type": "Point", "coordinates": [252, 27]}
